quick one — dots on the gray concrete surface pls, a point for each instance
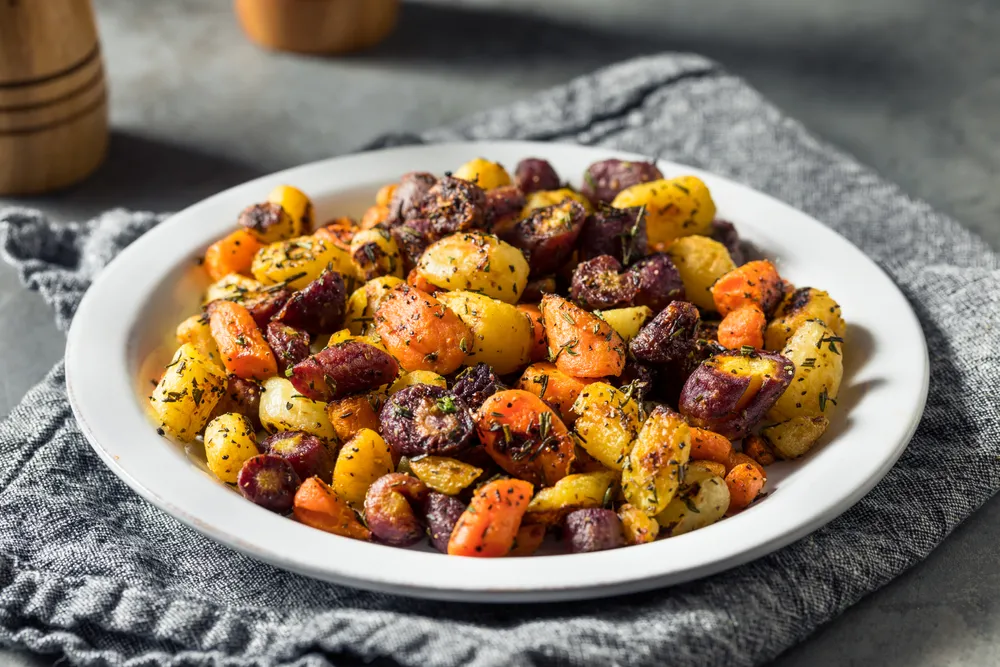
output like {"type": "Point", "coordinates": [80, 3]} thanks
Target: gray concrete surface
{"type": "Point", "coordinates": [911, 87]}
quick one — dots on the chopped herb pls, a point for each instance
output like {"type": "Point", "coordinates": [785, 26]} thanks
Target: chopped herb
{"type": "Point", "coordinates": [288, 372]}
{"type": "Point", "coordinates": [832, 340]}
{"type": "Point", "coordinates": [403, 412]}
{"type": "Point", "coordinates": [544, 381]}
{"type": "Point", "coordinates": [446, 404]}
{"type": "Point", "coordinates": [824, 398]}
{"type": "Point", "coordinates": [747, 350]}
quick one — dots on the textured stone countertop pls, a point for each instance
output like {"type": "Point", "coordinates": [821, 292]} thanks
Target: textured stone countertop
{"type": "Point", "coordinates": [910, 87]}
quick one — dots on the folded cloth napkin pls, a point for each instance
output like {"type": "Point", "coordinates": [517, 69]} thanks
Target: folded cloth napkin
{"type": "Point", "coordinates": [90, 570]}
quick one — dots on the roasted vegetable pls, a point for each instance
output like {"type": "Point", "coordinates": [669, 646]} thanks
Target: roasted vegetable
{"type": "Point", "coordinates": [570, 493]}
{"type": "Point", "coordinates": [183, 399]}
{"type": "Point", "coordinates": [543, 198]}
{"type": "Point", "coordinates": [376, 253]}
{"type": "Point", "coordinates": [745, 480]}
{"type": "Point", "coordinates": [264, 304]}
{"type": "Point", "coordinates": [441, 513]}
{"type": "Point", "coordinates": [197, 331]}
{"type": "Point", "coordinates": [421, 332]}
{"type": "Point", "coordinates": [352, 367]}
{"type": "Point", "coordinates": [409, 194]}
{"type": "Point", "coordinates": [350, 415]}
{"type": "Point", "coordinates": [232, 254]}
{"type": "Point", "coordinates": [796, 436]}
{"type": "Point", "coordinates": [417, 377]}
{"type": "Point", "coordinates": [701, 500]}
{"type": "Point", "coordinates": [412, 238]}
{"type": "Point", "coordinates": [605, 179]}
{"type": "Point", "coordinates": [675, 208]}
{"type": "Point", "coordinates": [525, 437]}
{"type": "Point", "coordinates": [242, 347]}
{"type": "Point", "coordinates": [317, 505]}
{"type": "Point", "coordinates": [242, 397]}
{"type": "Point", "coordinates": [700, 261]}
{"type": "Point", "coordinates": [365, 300]}
{"type": "Point", "coordinates": [482, 172]}
{"type": "Point", "coordinates": [710, 446]}
{"type": "Point", "coordinates": [306, 453]}
{"type": "Point", "coordinates": [600, 283]}
{"type": "Point", "coordinates": [669, 337]}
{"type": "Point", "coordinates": [500, 333]}
{"type": "Point", "coordinates": [489, 525]}
{"type": "Point", "coordinates": [620, 233]}
{"type": "Point", "coordinates": [269, 223]}
{"type": "Point", "coordinates": [289, 345]}
{"type": "Point", "coordinates": [389, 509]}
{"type": "Point", "coordinates": [534, 174]}
{"type": "Point", "coordinates": [548, 234]}
{"type": "Point", "coordinates": [374, 216]}
{"type": "Point", "coordinates": [318, 307]}
{"type": "Point", "coordinates": [299, 261]}
{"type": "Point", "coordinates": [557, 389]}
{"type": "Point", "coordinates": [453, 205]}
{"type": "Point", "coordinates": [476, 262]}
{"type": "Point", "coordinates": [607, 423]}
{"type": "Point", "coordinates": [637, 526]}
{"type": "Point", "coordinates": [659, 282]}
{"type": "Point", "coordinates": [759, 450]}
{"type": "Point", "coordinates": [527, 541]}
{"type": "Point", "coordinates": [726, 234]}
{"type": "Point", "coordinates": [444, 475]}
{"type": "Point", "coordinates": [339, 232]}
{"type": "Point", "coordinates": [296, 204]}
{"type": "Point", "coordinates": [743, 327]}
{"type": "Point", "coordinates": [233, 287]}
{"type": "Point", "coordinates": [503, 209]}
{"type": "Point", "coordinates": [268, 481]}
{"type": "Point", "coordinates": [282, 408]}
{"type": "Point", "coordinates": [229, 442]}
{"type": "Point", "coordinates": [816, 351]}
{"type": "Point", "coordinates": [655, 467]}
{"type": "Point", "coordinates": [540, 342]}
{"type": "Point", "coordinates": [593, 530]}
{"type": "Point", "coordinates": [802, 305]}
{"type": "Point", "coordinates": [755, 283]}
{"type": "Point", "coordinates": [424, 419]}
{"type": "Point", "coordinates": [361, 460]}
{"type": "Point", "coordinates": [580, 343]}
{"type": "Point", "coordinates": [477, 383]}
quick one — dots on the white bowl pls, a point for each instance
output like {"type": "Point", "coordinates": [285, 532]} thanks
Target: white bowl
{"type": "Point", "coordinates": [123, 334]}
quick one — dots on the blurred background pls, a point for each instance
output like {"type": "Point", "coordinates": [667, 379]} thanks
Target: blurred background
{"type": "Point", "coordinates": [909, 87]}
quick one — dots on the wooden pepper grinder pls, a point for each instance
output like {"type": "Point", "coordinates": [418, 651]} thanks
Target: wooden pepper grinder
{"type": "Point", "coordinates": [53, 102]}
{"type": "Point", "coordinates": [317, 26]}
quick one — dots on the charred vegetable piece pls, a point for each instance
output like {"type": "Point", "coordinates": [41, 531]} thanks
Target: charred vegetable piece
{"type": "Point", "coordinates": [268, 481]}
{"type": "Point", "coordinates": [547, 235]}
{"type": "Point", "coordinates": [241, 397]}
{"type": "Point", "coordinates": [759, 450]}
{"type": "Point", "coordinates": [376, 253]}
{"type": "Point", "coordinates": [580, 343]}
{"type": "Point", "coordinates": [317, 505]}
{"type": "Point", "coordinates": [655, 467]}
{"type": "Point", "coordinates": [755, 283]}
{"type": "Point", "coordinates": [503, 208]}
{"type": "Point", "coordinates": [318, 307]}
{"type": "Point", "coordinates": [792, 438]}
{"type": "Point", "coordinates": [242, 347]}
{"type": "Point", "coordinates": [637, 526]}
{"type": "Point", "coordinates": [290, 345]}
{"type": "Point", "coordinates": [669, 337]}
{"type": "Point", "coordinates": [636, 381]}
{"type": "Point", "coordinates": [534, 174]}
{"type": "Point", "coordinates": [599, 284]}
{"type": "Point", "coordinates": [802, 305]}
{"type": "Point", "coordinates": [441, 513]}
{"type": "Point", "coordinates": [265, 304]}
{"type": "Point", "coordinates": [412, 238]}
{"type": "Point", "coordinates": [725, 233]}
{"type": "Point", "coordinates": [557, 389]}
{"type": "Point", "coordinates": [454, 205]}
{"type": "Point", "coordinates": [269, 222]}
{"type": "Point", "coordinates": [424, 419]}
{"type": "Point", "coordinates": [306, 453]}
{"type": "Point", "coordinates": [349, 368]}
{"type": "Point", "coordinates": [408, 195]}
{"type": "Point", "coordinates": [389, 509]}
{"type": "Point", "coordinates": [659, 281]}
{"type": "Point", "coordinates": [488, 527]}
{"type": "Point", "coordinates": [477, 383]}
{"type": "Point", "coordinates": [421, 332]}
{"type": "Point", "coordinates": [593, 530]}
{"type": "Point", "coordinates": [525, 437]}
{"type": "Point", "coordinates": [535, 289]}
{"type": "Point", "coordinates": [618, 232]}
{"type": "Point", "coordinates": [605, 179]}
{"type": "Point", "coordinates": [731, 392]}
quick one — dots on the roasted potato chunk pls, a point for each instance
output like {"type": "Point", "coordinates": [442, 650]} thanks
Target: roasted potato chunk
{"type": "Point", "coordinates": [570, 493]}
{"type": "Point", "coordinates": [796, 436]}
{"type": "Point", "coordinates": [270, 222]}
{"type": "Point", "coordinates": [233, 287]}
{"type": "Point", "coordinates": [701, 500]}
{"type": "Point", "coordinates": [299, 261]}
{"type": "Point", "coordinates": [363, 302]}
{"type": "Point", "coordinates": [802, 305]}
{"type": "Point", "coordinates": [501, 334]}
{"type": "Point", "coordinates": [542, 198]}
{"type": "Point", "coordinates": [627, 321]}
{"type": "Point", "coordinates": [655, 467]}
{"type": "Point", "coordinates": [186, 394]}
{"type": "Point", "coordinates": [817, 353]}
{"type": "Point", "coordinates": [417, 377]}
{"type": "Point", "coordinates": [362, 460]}
{"type": "Point", "coordinates": [731, 392]}
{"type": "Point", "coordinates": [487, 175]}
{"type": "Point", "coordinates": [282, 408]}
{"type": "Point", "coordinates": [229, 442]}
{"type": "Point", "coordinates": [443, 474]}
{"type": "Point", "coordinates": [700, 262]}
{"type": "Point", "coordinates": [637, 526]}
{"type": "Point", "coordinates": [674, 208]}
{"type": "Point", "coordinates": [476, 262]}
{"type": "Point", "coordinates": [375, 253]}
{"type": "Point", "coordinates": [607, 423]}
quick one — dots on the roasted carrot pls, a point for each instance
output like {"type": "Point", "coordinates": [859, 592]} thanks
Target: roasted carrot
{"type": "Point", "coordinates": [710, 446]}
{"type": "Point", "coordinates": [527, 540]}
{"type": "Point", "coordinates": [421, 332]}
{"type": "Point", "coordinates": [712, 467]}
{"type": "Point", "coordinates": [525, 437]}
{"type": "Point", "coordinates": [745, 481]}
{"type": "Point", "coordinates": [556, 388]}
{"type": "Point", "coordinates": [743, 327]}
{"type": "Point", "coordinates": [374, 215]}
{"type": "Point", "coordinates": [540, 344]}
{"type": "Point", "coordinates": [340, 232]}
{"type": "Point", "coordinates": [488, 527]}
{"type": "Point", "coordinates": [580, 343]}
{"type": "Point", "coordinates": [232, 254]}
{"type": "Point", "coordinates": [755, 282]}
{"type": "Point", "coordinates": [759, 450]}
{"type": "Point", "coordinates": [317, 505]}
{"type": "Point", "coordinates": [350, 415]}
{"type": "Point", "coordinates": [384, 194]}
{"type": "Point", "coordinates": [241, 345]}
{"type": "Point", "coordinates": [417, 279]}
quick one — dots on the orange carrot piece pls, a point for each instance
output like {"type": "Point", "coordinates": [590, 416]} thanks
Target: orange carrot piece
{"type": "Point", "coordinates": [384, 194]}
{"type": "Point", "coordinates": [232, 254]}
{"type": "Point", "coordinates": [759, 450]}
{"type": "Point", "coordinates": [241, 345]}
{"type": "Point", "coordinates": [743, 326]}
{"type": "Point", "coordinates": [556, 388]}
{"type": "Point", "coordinates": [374, 215]}
{"type": "Point", "coordinates": [318, 506]}
{"type": "Point", "coordinates": [710, 446]}
{"type": "Point", "coordinates": [525, 437]}
{"type": "Point", "coordinates": [339, 232]}
{"type": "Point", "coordinates": [488, 527]}
{"type": "Point", "coordinates": [539, 344]}
{"type": "Point", "coordinates": [416, 279]}
{"type": "Point", "coordinates": [528, 539]}
{"type": "Point", "coordinates": [755, 282]}
{"type": "Point", "coordinates": [745, 481]}
{"type": "Point", "coordinates": [350, 415]}
{"type": "Point", "coordinates": [582, 344]}
{"type": "Point", "coordinates": [420, 331]}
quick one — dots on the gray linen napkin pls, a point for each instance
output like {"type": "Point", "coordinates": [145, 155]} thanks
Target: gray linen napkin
{"type": "Point", "coordinates": [89, 569]}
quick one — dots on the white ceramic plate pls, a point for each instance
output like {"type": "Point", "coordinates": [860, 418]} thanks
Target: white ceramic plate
{"type": "Point", "coordinates": [123, 333]}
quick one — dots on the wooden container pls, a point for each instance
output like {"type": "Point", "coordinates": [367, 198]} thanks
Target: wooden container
{"type": "Point", "coordinates": [317, 26]}
{"type": "Point", "coordinates": [53, 103]}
